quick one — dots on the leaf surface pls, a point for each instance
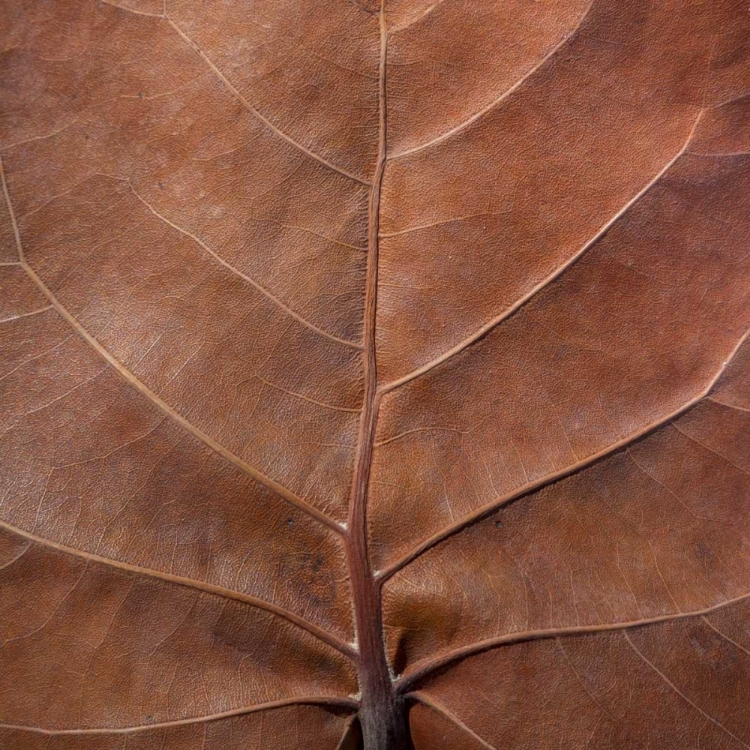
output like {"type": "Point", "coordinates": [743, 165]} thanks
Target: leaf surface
{"type": "Point", "coordinates": [374, 376]}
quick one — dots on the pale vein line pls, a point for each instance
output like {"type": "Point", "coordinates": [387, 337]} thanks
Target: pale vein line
{"type": "Point", "coordinates": [530, 487]}
{"type": "Point", "coordinates": [288, 310]}
{"type": "Point", "coordinates": [731, 100]}
{"type": "Point", "coordinates": [465, 124]}
{"type": "Point", "coordinates": [403, 435]}
{"type": "Point", "coordinates": [23, 142]}
{"type": "Point", "coordinates": [420, 17]}
{"type": "Point", "coordinates": [549, 279]}
{"type": "Point", "coordinates": [733, 407]}
{"type": "Point", "coordinates": [326, 238]}
{"type": "Point", "coordinates": [345, 648]}
{"type": "Point", "coordinates": [269, 706]}
{"type": "Point", "coordinates": [13, 560]}
{"type": "Point", "coordinates": [132, 10]}
{"type": "Point", "coordinates": [442, 711]}
{"type": "Point", "coordinates": [725, 636]}
{"type": "Point", "coordinates": [261, 117]}
{"type": "Point", "coordinates": [580, 679]}
{"type": "Point", "coordinates": [711, 450]}
{"type": "Point", "coordinates": [74, 187]}
{"type": "Point", "coordinates": [681, 694]}
{"type": "Point", "coordinates": [25, 315]}
{"type": "Point", "coordinates": [440, 223]}
{"type": "Point", "coordinates": [130, 378]}
{"type": "Point", "coordinates": [11, 212]}
{"type": "Point", "coordinates": [309, 400]}
{"type": "Point", "coordinates": [427, 667]}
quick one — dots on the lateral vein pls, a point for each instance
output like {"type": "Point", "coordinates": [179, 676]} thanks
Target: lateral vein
{"type": "Point", "coordinates": [485, 329]}
{"type": "Point", "coordinates": [556, 476]}
{"type": "Point", "coordinates": [273, 128]}
{"type": "Point", "coordinates": [446, 714]}
{"type": "Point", "coordinates": [131, 379]}
{"type": "Point", "coordinates": [192, 583]}
{"type": "Point", "coordinates": [682, 695]}
{"type": "Point", "coordinates": [489, 107]}
{"type": "Point", "coordinates": [11, 212]}
{"type": "Point", "coordinates": [284, 308]}
{"type": "Point", "coordinates": [269, 706]}
{"type": "Point", "coordinates": [427, 667]}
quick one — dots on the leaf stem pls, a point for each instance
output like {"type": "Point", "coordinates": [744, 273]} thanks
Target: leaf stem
{"type": "Point", "coordinates": [382, 709]}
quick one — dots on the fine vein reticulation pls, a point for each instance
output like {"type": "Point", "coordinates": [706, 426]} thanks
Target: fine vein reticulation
{"type": "Point", "coordinates": [378, 713]}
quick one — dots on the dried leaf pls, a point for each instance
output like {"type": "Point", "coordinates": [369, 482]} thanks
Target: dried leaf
{"type": "Point", "coordinates": [375, 376]}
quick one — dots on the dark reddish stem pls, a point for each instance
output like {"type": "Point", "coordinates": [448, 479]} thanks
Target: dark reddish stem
{"type": "Point", "coordinates": [382, 715]}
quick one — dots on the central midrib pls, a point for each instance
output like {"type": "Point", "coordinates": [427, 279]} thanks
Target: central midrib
{"type": "Point", "coordinates": [377, 691]}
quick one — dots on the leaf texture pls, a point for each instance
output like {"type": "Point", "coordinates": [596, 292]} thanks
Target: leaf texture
{"type": "Point", "coordinates": [375, 375]}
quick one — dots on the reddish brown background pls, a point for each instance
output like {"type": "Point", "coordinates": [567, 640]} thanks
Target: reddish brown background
{"type": "Point", "coordinates": [375, 375]}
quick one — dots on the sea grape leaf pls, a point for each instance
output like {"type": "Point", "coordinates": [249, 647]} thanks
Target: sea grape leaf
{"type": "Point", "coordinates": [375, 376]}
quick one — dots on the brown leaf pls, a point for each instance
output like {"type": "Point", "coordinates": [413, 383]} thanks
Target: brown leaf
{"type": "Point", "coordinates": [375, 376]}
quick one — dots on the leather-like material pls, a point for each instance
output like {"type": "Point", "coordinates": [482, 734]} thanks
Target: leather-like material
{"type": "Point", "coordinates": [374, 376]}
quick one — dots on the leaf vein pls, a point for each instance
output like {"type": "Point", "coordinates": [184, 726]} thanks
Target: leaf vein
{"type": "Point", "coordinates": [269, 706]}
{"type": "Point", "coordinates": [285, 308]}
{"type": "Point", "coordinates": [489, 107]}
{"type": "Point", "coordinates": [538, 484]}
{"type": "Point", "coordinates": [532, 293]}
{"type": "Point", "coordinates": [271, 127]}
{"type": "Point", "coordinates": [424, 669]}
{"type": "Point", "coordinates": [131, 379]}
{"type": "Point", "coordinates": [681, 694]}
{"type": "Point", "coordinates": [202, 586]}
